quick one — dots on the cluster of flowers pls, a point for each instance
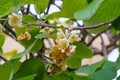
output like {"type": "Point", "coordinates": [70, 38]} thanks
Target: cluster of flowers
{"type": "Point", "coordinates": [58, 53]}
{"type": "Point", "coordinates": [61, 50]}
{"type": "Point", "coordinates": [15, 20]}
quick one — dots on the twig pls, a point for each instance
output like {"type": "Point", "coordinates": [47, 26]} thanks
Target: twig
{"type": "Point", "coordinates": [57, 6]}
{"type": "Point", "coordinates": [50, 2]}
{"type": "Point", "coordinates": [1, 57]}
{"type": "Point", "coordinates": [97, 36]}
{"type": "Point", "coordinates": [92, 27]}
{"type": "Point", "coordinates": [7, 27]}
{"type": "Point", "coordinates": [28, 9]}
{"type": "Point", "coordinates": [75, 28]}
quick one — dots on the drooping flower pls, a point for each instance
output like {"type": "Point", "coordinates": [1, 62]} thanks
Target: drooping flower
{"type": "Point", "coordinates": [26, 36]}
{"type": "Point", "coordinates": [46, 30]}
{"type": "Point", "coordinates": [15, 20]}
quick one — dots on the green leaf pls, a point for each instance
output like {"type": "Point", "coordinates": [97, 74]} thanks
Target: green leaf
{"type": "Point", "coordinates": [73, 62]}
{"type": "Point", "coordinates": [116, 24]}
{"type": "Point", "coordinates": [60, 76]}
{"type": "Point", "coordinates": [30, 19]}
{"type": "Point", "coordinates": [16, 65]}
{"type": "Point", "coordinates": [107, 11]}
{"type": "Point", "coordinates": [91, 68]}
{"type": "Point", "coordinates": [118, 78]}
{"type": "Point", "coordinates": [40, 8]}
{"type": "Point", "coordinates": [3, 3]}
{"type": "Point", "coordinates": [63, 29]}
{"type": "Point", "coordinates": [74, 76]}
{"type": "Point", "coordinates": [31, 77]}
{"type": "Point", "coordinates": [69, 8]}
{"type": "Point", "coordinates": [41, 35]}
{"type": "Point", "coordinates": [118, 63]}
{"type": "Point", "coordinates": [31, 67]}
{"type": "Point", "coordinates": [8, 69]}
{"type": "Point", "coordinates": [6, 7]}
{"type": "Point", "coordinates": [2, 39]}
{"type": "Point", "coordinates": [89, 1]}
{"type": "Point", "coordinates": [20, 55]}
{"type": "Point", "coordinates": [20, 31]}
{"type": "Point", "coordinates": [98, 30]}
{"type": "Point", "coordinates": [108, 72]}
{"type": "Point", "coordinates": [88, 11]}
{"type": "Point", "coordinates": [82, 51]}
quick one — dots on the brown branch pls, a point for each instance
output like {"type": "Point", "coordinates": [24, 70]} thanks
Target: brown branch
{"type": "Point", "coordinates": [49, 4]}
{"type": "Point", "coordinates": [57, 6]}
{"type": "Point", "coordinates": [97, 36]}
{"type": "Point", "coordinates": [1, 57]}
{"type": "Point", "coordinates": [75, 28]}
{"type": "Point", "coordinates": [28, 9]}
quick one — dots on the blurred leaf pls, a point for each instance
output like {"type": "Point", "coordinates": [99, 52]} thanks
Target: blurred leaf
{"type": "Point", "coordinates": [31, 77]}
{"type": "Point", "coordinates": [31, 67]}
{"type": "Point", "coordinates": [2, 40]}
{"type": "Point", "coordinates": [6, 6]}
{"type": "Point", "coordinates": [74, 76]}
{"type": "Point", "coordinates": [82, 51]}
{"type": "Point", "coordinates": [46, 77]}
{"type": "Point", "coordinates": [30, 19]}
{"type": "Point", "coordinates": [118, 78]}
{"type": "Point", "coordinates": [8, 69]}
{"type": "Point", "coordinates": [89, 1]}
{"type": "Point", "coordinates": [41, 35]}
{"type": "Point", "coordinates": [20, 55]}
{"type": "Point", "coordinates": [118, 63]}
{"type": "Point", "coordinates": [116, 24]}
{"type": "Point", "coordinates": [63, 29]}
{"type": "Point", "coordinates": [98, 30]}
{"type": "Point", "coordinates": [73, 62]}
{"type": "Point", "coordinates": [87, 12]}
{"type": "Point", "coordinates": [20, 31]}
{"type": "Point", "coordinates": [91, 68]}
{"type": "Point", "coordinates": [40, 8]}
{"type": "Point", "coordinates": [107, 11]}
{"type": "Point", "coordinates": [60, 76]}
{"type": "Point", "coordinates": [16, 65]}
{"type": "Point", "coordinates": [108, 72]}
{"type": "Point", "coordinates": [69, 8]}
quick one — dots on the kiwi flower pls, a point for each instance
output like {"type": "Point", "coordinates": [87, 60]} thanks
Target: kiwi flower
{"type": "Point", "coordinates": [15, 20]}
{"type": "Point", "coordinates": [63, 43]}
{"type": "Point", "coordinates": [73, 38]}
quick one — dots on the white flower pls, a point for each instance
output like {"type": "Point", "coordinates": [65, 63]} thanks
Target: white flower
{"type": "Point", "coordinates": [15, 20]}
{"type": "Point", "coordinates": [60, 35]}
{"type": "Point", "coordinates": [73, 38]}
{"type": "Point", "coordinates": [46, 30]}
{"type": "Point", "coordinates": [63, 43]}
